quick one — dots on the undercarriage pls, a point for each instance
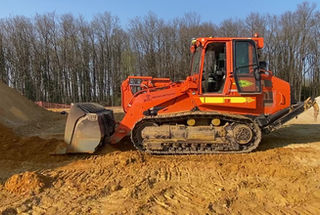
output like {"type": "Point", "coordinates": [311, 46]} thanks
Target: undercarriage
{"type": "Point", "coordinates": [196, 133]}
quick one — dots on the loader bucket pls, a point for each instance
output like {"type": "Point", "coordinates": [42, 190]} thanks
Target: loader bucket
{"type": "Point", "coordinates": [88, 124]}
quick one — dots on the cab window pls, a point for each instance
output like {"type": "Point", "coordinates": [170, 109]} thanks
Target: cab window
{"type": "Point", "coordinates": [246, 70]}
{"type": "Point", "coordinates": [214, 68]}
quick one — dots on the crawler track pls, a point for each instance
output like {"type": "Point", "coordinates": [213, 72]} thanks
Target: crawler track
{"type": "Point", "coordinates": [197, 147]}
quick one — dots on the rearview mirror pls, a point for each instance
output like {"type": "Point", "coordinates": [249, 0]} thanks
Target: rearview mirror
{"type": "Point", "coordinates": [257, 75]}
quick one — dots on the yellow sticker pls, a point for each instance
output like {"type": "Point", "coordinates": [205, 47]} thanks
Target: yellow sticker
{"type": "Point", "coordinates": [245, 83]}
{"type": "Point", "coordinates": [221, 100]}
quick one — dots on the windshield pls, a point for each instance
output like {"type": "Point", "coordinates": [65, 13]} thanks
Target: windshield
{"type": "Point", "coordinates": [196, 58]}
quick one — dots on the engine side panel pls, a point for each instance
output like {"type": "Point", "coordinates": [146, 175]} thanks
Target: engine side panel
{"type": "Point", "coordinates": [276, 94]}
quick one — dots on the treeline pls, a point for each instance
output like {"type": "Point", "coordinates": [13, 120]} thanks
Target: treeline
{"type": "Point", "coordinates": [67, 59]}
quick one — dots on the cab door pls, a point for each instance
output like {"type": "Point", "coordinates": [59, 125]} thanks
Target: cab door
{"type": "Point", "coordinates": [214, 69]}
{"type": "Point", "coordinates": [245, 67]}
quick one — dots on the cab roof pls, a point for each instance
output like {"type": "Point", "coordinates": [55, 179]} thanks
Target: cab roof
{"type": "Point", "coordinates": [203, 40]}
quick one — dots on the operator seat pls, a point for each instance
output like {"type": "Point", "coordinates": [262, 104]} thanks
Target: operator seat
{"type": "Point", "coordinates": [216, 81]}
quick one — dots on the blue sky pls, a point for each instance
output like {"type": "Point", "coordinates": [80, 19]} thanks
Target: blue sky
{"type": "Point", "coordinates": [210, 10]}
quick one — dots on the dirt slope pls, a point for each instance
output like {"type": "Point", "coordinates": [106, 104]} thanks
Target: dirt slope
{"type": "Point", "coordinates": [25, 117]}
{"type": "Point", "coordinates": [281, 177]}
{"type": "Point", "coordinates": [15, 109]}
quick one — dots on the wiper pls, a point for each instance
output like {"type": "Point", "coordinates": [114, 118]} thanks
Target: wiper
{"type": "Point", "coordinates": [240, 67]}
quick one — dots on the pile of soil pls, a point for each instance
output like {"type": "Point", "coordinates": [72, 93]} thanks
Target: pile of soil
{"type": "Point", "coordinates": [25, 117]}
{"type": "Point", "coordinates": [27, 183]}
{"type": "Point", "coordinates": [28, 134]}
{"type": "Point", "coordinates": [15, 109]}
{"type": "Point", "coordinates": [19, 154]}
{"type": "Point", "coordinates": [18, 148]}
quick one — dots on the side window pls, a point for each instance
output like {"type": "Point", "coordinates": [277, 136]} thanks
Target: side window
{"type": "Point", "coordinates": [214, 68]}
{"type": "Point", "coordinates": [245, 57]}
{"type": "Point", "coordinates": [246, 71]}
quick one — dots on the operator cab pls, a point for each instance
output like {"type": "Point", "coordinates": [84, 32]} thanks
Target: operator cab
{"type": "Point", "coordinates": [216, 69]}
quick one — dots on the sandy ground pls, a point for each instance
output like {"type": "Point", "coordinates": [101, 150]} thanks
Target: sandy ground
{"type": "Point", "coordinates": [281, 177]}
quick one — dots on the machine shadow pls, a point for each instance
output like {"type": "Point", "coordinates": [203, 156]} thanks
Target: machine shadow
{"type": "Point", "coordinates": [290, 134]}
{"type": "Point", "coordinates": [124, 145]}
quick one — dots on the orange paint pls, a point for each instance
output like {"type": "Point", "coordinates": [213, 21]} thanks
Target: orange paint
{"type": "Point", "coordinates": [171, 97]}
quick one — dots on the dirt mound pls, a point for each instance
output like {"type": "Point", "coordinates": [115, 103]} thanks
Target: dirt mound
{"type": "Point", "coordinates": [14, 147]}
{"type": "Point", "coordinates": [15, 109]}
{"type": "Point", "coordinates": [19, 154]}
{"type": "Point", "coordinates": [26, 134]}
{"type": "Point", "coordinates": [27, 118]}
{"type": "Point", "coordinates": [27, 183]}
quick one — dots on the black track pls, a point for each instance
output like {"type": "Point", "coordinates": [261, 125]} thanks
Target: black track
{"type": "Point", "coordinates": [188, 147]}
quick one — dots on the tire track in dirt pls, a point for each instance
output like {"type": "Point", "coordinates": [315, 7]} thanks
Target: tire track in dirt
{"type": "Point", "coordinates": [123, 182]}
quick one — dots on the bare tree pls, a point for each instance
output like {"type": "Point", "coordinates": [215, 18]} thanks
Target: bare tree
{"type": "Point", "coordinates": [68, 59]}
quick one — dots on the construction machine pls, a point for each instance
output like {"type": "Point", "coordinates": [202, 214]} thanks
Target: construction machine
{"type": "Point", "coordinates": [224, 106]}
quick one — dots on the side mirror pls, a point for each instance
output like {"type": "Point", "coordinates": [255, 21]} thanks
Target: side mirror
{"type": "Point", "coordinates": [263, 65]}
{"type": "Point", "coordinates": [257, 74]}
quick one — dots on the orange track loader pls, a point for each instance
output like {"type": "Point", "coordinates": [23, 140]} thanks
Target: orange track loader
{"type": "Point", "coordinates": [224, 106]}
